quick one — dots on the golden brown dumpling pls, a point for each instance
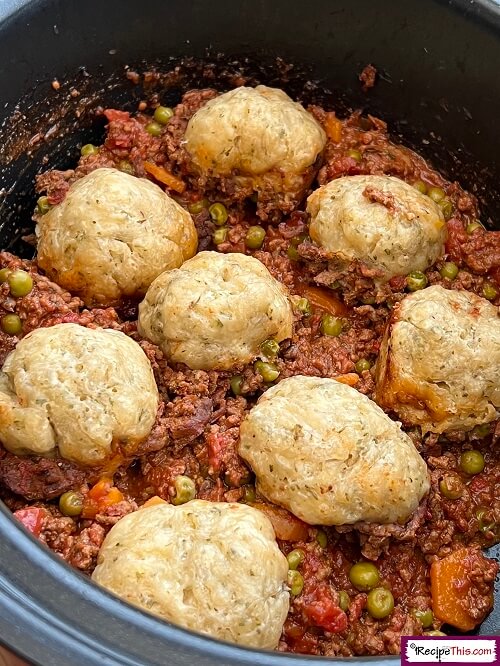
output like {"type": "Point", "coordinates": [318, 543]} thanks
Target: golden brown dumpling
{"type": "Point", "coordinates": [330, 455]}
{"type": "Point", "coordinates": [378, 220]}
{"type": "Point", "coordinates": [259, 139]}
{"type": "Point", "coordinates": [112, 235]}
{"type": "Point", "coordinates": [439, 363]}
{"type": "Point", "coordinates": [212, 567]}
{"type": "Point", "coordinates": [215, 311]}
{"type": "Point", "coordinates": [87, 392]}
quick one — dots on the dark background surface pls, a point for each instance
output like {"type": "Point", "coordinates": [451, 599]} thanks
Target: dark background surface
{"type": "Point", "coordinates": [438, 88]}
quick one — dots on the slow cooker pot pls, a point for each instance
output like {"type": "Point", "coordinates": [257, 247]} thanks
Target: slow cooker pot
{"type": "Point", "coordinates": [438, 88]}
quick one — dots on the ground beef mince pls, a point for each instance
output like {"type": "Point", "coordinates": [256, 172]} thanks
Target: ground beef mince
{"type": "Point", "coordinates": [196, 432]}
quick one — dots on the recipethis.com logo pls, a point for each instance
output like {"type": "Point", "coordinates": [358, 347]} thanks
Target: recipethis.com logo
{"type": "Point", "coordinates": [450, 650]}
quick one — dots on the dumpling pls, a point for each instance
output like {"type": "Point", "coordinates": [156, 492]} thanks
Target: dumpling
{"type": "Point", "coordinates": [380, 221]}
{"type": "Point", "coordinates": [89, 393]}
{"type": "Point", "coordinates": [212, 567]}
{"type": "Point", "coordinates": [112, 235]}
{"type": "Point", "coordinates": [439, 363]}
{"type": "Point", "coordinates": [261, 141]}
{"type": "Point", "coordinates": [215, 311]}
{"type": "Point", "coordinates": [330, 455]}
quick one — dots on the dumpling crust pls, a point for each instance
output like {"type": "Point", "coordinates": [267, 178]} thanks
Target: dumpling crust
{"type": "Point", "coordinates": [215, 311]}
{"type": "Point", "coordinates": [258, 137]}
{"type": "Point", "coordinates": [213, 567]}
{"type": "Point", "coordinates": [330, 455]}
{"type": "Point", "coordinates": [378, 220]}
{"type": "Point", "coordinates": [112, 235]}
{"type": "Point", "coordinates": [439, 363]}
{"type": "Point", "coordinates": [87, 392]}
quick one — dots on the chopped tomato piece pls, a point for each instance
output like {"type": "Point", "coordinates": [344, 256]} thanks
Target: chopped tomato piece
{"type": "Point", "coordinates": [163, 176]}
{"type": "Point", "coordinates": [32, 519]}
{"type": "Point", "coordinates": [99, 497]}
{"type": "Point", "coordinates": [321, 610]}
{"type": "Point", "coordinates": [286, 526]}
{"type": "Point", "coordinates": [324, 299]}
{"type": "Point", "coordinates": [115, 114]}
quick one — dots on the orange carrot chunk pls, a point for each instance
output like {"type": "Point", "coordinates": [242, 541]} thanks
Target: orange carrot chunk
{"type": "Point", "coordinates": [452, 588]}
{"type": "Point", "coordinates": [333, 127]}
{"type": "Point", "coordinates": [286, 526]}
{"type": "Point", "coordinates": [324, 299]}
{"type": "Point", "coordinates": [163, 176]}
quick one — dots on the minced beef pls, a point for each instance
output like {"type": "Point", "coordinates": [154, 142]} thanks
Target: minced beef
{"type": "Point", "coordinates": [197, 427]}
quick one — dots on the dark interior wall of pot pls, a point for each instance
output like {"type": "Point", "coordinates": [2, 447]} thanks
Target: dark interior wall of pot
{"type": "Point", "coordinates": [436, 85]}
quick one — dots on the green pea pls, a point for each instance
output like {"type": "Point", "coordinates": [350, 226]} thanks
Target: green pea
{"type": "Point", "coordinates": [368, 300]}
{"type": "Point", "coordinates": [451, 487]}
{"type": "Point", "coordinates": [88, 149]}
{"type": "Point", "coordinates": [300, 238]}
{"type": "Point", "coordinates": [331, 326]}
{"type": "Point", "coordinates": [434, 632]}
{"type": "Point", "coordinates": [481, 431]}
{"type": "Point", "coordinates": [220, 235]}
{"type": "Point", "coordinates": [472, 226]}
{"type": "Point", "coordinates": [295, 558]}
{"type": "Point", "coordinates": [43, 205]}
{"type": "Point", "coordinates": [197, 206]}
{"type": "Point", "coordinates": [236, 384]}
{"type": "Point", "coordinates": [304, 307]}
{"type": "Point", "coordinates": [472, 462]}
{"type": "Point", "coordinates": [446, 207]}
{"type": "Point", "coordinates": [218, 213]}
{"type": "Point", "coordinates": [436, 194]}
{"type": "Point", "coordinates": [153, 128]}
{"type": "Point", "coordinates": [270, 348]}
{"type": "Point", "coordinates": [11, 324]}
{"type": "Point", "coordinates": [20, 283]}
{"type": "Point", "coordinates": [362, 365]}
{"type": "Point", "coordinates": [292, 253]}
{"type": "Point", "coordinates": [449, 270]}
{"type": "Point", "coordinates": [380, 603]}
{"type": "Point", "coordinates": [71, 503]}
{"type": "Point", "coordinates": [420, 186]}
{"type": "Point", "coordinates": [255, 237]}
{"type": "Point", "coordinates": [416, 281]}
{"type": "Point", "coordinates": [248, 494]}
{"type": "Point", "coordinates": [485, 519]}
{"type": "Point", "coordinates": [4, 274]}
{"type": "Point", "coordinates": [185, 490]}
{"type": "Point", "coordinates": [163, 114]}
{"type": "Point", "coordinates": [268, 371]}
{"type": "Point", "coordinates": [295, 582]}
{"type": "Point", "coordinates": [126, 167]}
{"type": "Point", "coordinates": [344, 600]}
{"type": "Point", "coordinates": [321, 538]}
{"type": "Point", "coordinates": [489, 291]}
{"type": "Point", "coordinates": [355, 154]}
{"type": "Point", "coordinates": [364, 576]}
{"type": "Point", "coordinates": [425, 617]}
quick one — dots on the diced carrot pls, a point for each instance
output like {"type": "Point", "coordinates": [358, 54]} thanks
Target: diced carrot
{"type": "Point", "coordinates": [153, 501]}
{"type": "Point", "coordinates": [99, 497]}
{"type": "Point", "coordinates": [168, 179]}
{"type": "Point", "coordinates": [286, 526]}
{"type": "Point", "coordinates": [333, 127]}
{"type": "Point", "coordinates": [324, 299]}
{"type": "Point", "coordinates": [351, 379]}
{"type": "Point", "coordinates": [450, 587]}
